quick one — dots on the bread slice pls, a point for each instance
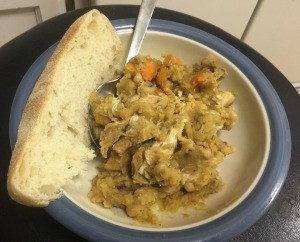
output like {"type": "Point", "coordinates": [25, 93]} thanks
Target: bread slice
{"type": "Point", "coordinates": [53, 144]}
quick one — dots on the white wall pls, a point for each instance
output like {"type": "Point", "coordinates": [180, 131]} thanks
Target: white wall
{"type": "Point", "coordinates": [20, 15]}
{"type": "Point", "coordinates": [275, 33]}
{"type": "Point", "coordinates": [230, 15]}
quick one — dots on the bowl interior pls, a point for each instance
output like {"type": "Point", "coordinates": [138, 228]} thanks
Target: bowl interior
{"type": "Point", "coordinates": [240, 171]}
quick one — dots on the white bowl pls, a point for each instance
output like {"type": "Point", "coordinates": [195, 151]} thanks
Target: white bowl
{"type": "Point", "coordinates": [240, 171]}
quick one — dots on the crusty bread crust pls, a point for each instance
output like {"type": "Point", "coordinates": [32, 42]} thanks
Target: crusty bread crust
{"type": "Point", "coordinates": [33, 118]}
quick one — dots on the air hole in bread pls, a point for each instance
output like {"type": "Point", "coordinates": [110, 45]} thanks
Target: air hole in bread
{"type": "Point", "coordinates": [73, 131]}
{"type": "Point", "coordinates": [33, 171]}
{"type": "Point", "coordinates": [47, 189]}
{"type": "Point", "coordinates": [93, 27]}
{"type": "Point", "coordinates": [83, 46]}
{"type": "Point", "coordinates": [95, 14]}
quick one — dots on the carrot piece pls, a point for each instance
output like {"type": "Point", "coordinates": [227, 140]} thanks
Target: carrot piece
{"type": "Point", "coordinates": [159, 91]}
{"type": "Point", "coordinates": [171, 59]}
{"type": "Point", "coordinates": [162, 76]}
{"type": "Point", "coordinates": [149, 70]}
{"type": "Point", "coordinates": [198, 80]}
{"type": "Point", "coordinates": [168, 91]}
{"type": "Point", "coordinates": [130, 67]}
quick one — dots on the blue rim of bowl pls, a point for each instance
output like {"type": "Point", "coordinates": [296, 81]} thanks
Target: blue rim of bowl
{"type": "Point", "coordinates": [229, 225]}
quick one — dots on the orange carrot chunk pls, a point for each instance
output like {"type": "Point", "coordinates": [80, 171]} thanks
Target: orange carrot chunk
{"type": "Point", "coordinates": [159, 91]}
{"type": "Point", "coordinates": [162, 76]}
{"type": "Point", "coordinates": [149, 70]}
{"type": "Point", "coordinates": [198, 80]}
{"type": "Point", "coordinates": [171, 59]}
{"type": "Point", "coordinates": [130, 67]}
